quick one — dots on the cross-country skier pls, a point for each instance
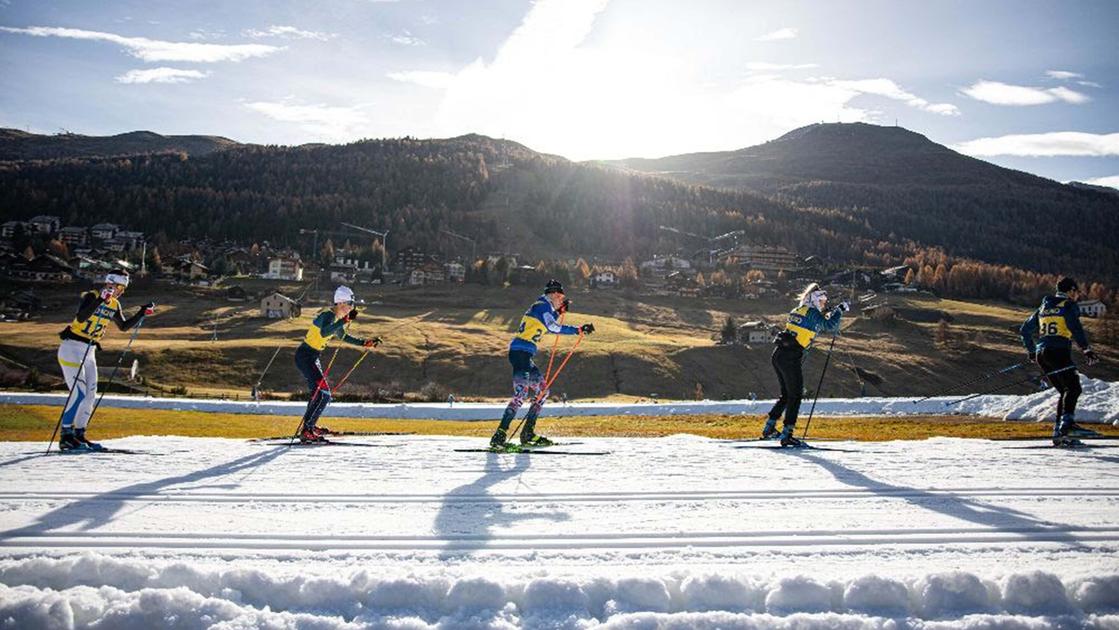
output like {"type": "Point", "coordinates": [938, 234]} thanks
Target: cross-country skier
{"type": "Point", "coordinates": [77, 354]}
{"type": "Point", "coordinates": [327, 325]}
{"type": "Point", "coordinates": [528, 383]}
{"type": "Point", "coordinates": [1056, 324]}
{"type": "Point", "coordinates": [801, 327]}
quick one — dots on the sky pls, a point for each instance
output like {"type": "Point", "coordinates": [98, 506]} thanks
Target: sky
{"type": "Point", "coordinates": [1029, 84]}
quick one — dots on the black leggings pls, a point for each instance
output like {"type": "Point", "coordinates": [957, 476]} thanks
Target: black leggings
{"type": "Point", "coordinates": [787, 363]}
{"type": "Point", "coordinates": [1066, 382]}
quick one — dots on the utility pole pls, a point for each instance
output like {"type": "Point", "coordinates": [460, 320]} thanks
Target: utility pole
{"type": "Point", "coordinates": [384, 242]}
{"type": "Point", "coordinates": [473, 244]}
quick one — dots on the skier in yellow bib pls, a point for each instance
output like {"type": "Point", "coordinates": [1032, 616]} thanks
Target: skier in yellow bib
{"type": "Point", "coordinates": [77, 354]}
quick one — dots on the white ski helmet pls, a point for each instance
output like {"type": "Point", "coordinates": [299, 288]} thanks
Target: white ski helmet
{"type": "Point", "coordinates": [343, 294]}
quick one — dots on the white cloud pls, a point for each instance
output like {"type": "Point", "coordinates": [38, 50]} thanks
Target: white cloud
{"type": "Point", "coordinates": [1063, 75]}
{"type": "Point", "coordinates": [554, 89]}
{"type": "Point", "coordinates": [888, 89]}
{"type": "Point", "coordinates": [423, 77]}
{"type": "Point", "coordinates": [288, 32]}
{"type": "Point", "coordinates": [998, 93]}
{"type": "Point", "coordinates": [162, 75]}
{"type": "Point", "coordinates": [779, 34]}
{"type": "Point", "coordinates": [1089, 84]}
{"type": "Point", "coordinates": [762, 66]}
{"type": "Point", "coordinates": [156, 50]}
{"type": "Point", "coordinates": [406, 38]}
{"type": "Point", "coordinates": [329, 121]}
{"type": "Point", "coordinates": [1112, 181]}
{"type": "Point", "coordinates": [1056, 143]}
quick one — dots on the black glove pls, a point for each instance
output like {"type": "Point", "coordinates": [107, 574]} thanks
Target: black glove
{"type": "Point", "coordinates": [352, 315]}
{"type": "Point", "coordinates": [372, 343]}
{"type": "Point", "coordinates": [1091, 356]}
{"type": "Point", "coordinates": [1032, 355]}
{"type": "Point", "coordinates": [566, 305]}
{"type": "Point", "coordinates": [843, 306]}
{"type": "Point", "coordinates": [587, 329]}
{"type": "Point", "coordinates": [148, 308]}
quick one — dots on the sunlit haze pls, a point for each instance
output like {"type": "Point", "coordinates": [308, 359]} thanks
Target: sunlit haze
{"type": "Point", "coordinates": [1031, 88]}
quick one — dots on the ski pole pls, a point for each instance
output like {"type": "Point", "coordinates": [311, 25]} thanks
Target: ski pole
{"type": "Point", "coordinates": [319, 387]}
{"type": "Point", "coordinates": [548, 384]}
{"type": "Point", "coordinates": [70, 394]}
{"type": "Point", "coordinates": [267, 367]}
{"type": "Point", "coordinates": [985, 377]}
{"type": "Point", "coordinates": [113, 374]}
{"type": "Point", "coordinates": [1008, 385]}
{"type": "Point", "coordinates": [555, 345]}
{"type": "Point", "coordinates": [827, 359]}
{"type": "Point", "coordinates": [351, 371]}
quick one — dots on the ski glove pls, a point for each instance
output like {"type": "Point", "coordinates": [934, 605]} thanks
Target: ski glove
{"type": "Point", "coordinates": [566, 305]}
{"type": "Point", "coordinates": [1091, 356]}
{"type": "Point", "coordinates": [372, 343]}
{"type": "Point", "coordinates": [106, 294]}
{"type": "Point", "coordinates": [148, 308]}
{"type": "Point", "coordinates": [587, 329]}
{"type": "Point", "coordinates": [352, 315]}
{"type": "Point", "coordinates": [843, 306]}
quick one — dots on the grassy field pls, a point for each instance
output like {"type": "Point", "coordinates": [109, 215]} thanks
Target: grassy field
{"type": "Point", "coordinates": [450, 339]}
{"type": "Point", "coordinates": [34, 423]}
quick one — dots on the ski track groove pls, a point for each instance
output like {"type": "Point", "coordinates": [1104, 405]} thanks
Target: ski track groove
{"type": "Point", "coordinates": [561, 497]}
{"type": "Point", "coordinates": [1078, 536]}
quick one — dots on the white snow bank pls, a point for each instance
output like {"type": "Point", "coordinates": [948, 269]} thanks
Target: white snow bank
{"type": "Point", "coordinates": [1099, 403]}
{"type": "Point", "coordinates": [100, 591]}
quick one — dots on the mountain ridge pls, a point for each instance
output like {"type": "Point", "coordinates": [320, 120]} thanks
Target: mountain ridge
{"type": "Point", "coordinates": [16, 144]}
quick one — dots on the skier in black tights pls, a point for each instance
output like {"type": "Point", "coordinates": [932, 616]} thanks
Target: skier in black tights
{"type": "Point", "coordinates": [1056, 324]}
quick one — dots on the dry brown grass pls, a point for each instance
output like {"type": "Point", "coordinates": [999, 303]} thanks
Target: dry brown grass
{"type": "Point", "coordinates": [34, 423]}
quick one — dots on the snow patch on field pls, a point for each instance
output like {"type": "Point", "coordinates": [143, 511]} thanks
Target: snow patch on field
{"type": "Point", "coordinates": [99, 591]}
{"type": "Point", "coordinates": [1098, 403]}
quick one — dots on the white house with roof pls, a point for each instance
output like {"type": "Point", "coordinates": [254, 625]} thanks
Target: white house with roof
{"type": "Point", "coordinates": [1092, 308]}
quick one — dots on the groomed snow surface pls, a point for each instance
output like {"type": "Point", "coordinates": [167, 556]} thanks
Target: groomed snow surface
{"type": "Point", "coordinates": [677, 532]}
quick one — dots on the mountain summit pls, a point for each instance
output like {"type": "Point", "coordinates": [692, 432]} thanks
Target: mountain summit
{"type": "Point", "coordinates": [835, 152]}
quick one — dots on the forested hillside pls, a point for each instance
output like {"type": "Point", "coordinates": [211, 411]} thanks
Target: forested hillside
{"type": "Point", "coordinates": [898, 185]}
{"type": "Point", "coordinates": [894, 197]}
{"type": "Point", "coordinates": [21, 145]}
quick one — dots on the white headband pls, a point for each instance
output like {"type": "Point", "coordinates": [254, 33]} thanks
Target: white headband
{"type": "Point", "coordinates": [117, 278]}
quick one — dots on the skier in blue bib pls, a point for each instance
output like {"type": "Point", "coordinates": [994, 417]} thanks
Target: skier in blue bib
{"type": "Point", "coordinates": [528, 383]}
{"type": "Point", "coordinates": [1056, 324]}
{"type": "Point", "coordinates": [801, 326]}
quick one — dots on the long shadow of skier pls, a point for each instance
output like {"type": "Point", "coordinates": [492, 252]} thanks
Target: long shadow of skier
{"type": "Point", "coordinates": [978, 512]}
{"type": "Point", "coordinates": [100, 509]}
{"type": "Point", "coordinates": [469, 513]}
{"type": "Point", "coordinates": [17, 460]}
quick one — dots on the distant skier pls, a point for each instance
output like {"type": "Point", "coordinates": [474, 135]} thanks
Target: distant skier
{"type": "Point", "coordinates": [77, 354]}
{"type": "Point", "coordinates": [1056, 323]}
{"type": "Point", "coordinates": [327, 325]}
{"type": "Point", "coordinates": [801, 327]}
{"type": "Point", "coordinates": [542, 317]}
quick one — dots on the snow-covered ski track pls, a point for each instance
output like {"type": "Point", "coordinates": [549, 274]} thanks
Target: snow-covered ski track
{"type": "Point", "coordinates": [672, 532]}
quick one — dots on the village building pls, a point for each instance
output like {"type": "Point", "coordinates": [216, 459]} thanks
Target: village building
{"type": "Point", "coordinates": [754, 332]}
{"type": "Point", "coordinates": [45, 224]}
{"type": "Point", "coordinates": [279, 306]}
{"type": "Point", "coordinates": [1092, 308]}
{"type": "Point", "coordinates": [604, 279]}
{"type": "Point", "coordinates": [74, 236]}
{"type": "Point", "coordinates": [285, 268]}
{"type": "Point", "coordinates": [104, 231]}
{"type": "Point", "coordinates": [41, 269]}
